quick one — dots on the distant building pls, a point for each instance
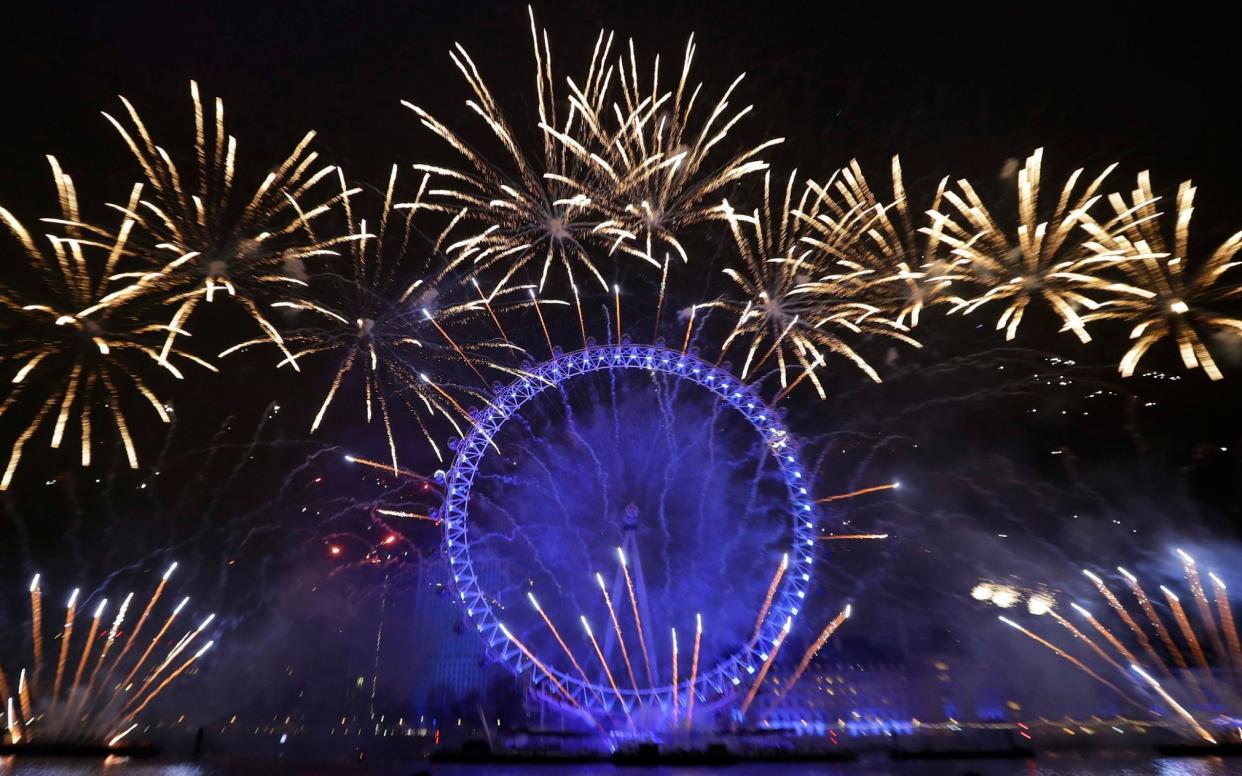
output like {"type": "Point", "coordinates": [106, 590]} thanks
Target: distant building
{"type": "Point", "coordinates": [859, 697]}
{"type": "Point", "coordinates": [452, 662]}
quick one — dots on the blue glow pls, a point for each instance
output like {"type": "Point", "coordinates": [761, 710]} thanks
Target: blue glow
{"type": "Point", "coordinates": [712, 681]}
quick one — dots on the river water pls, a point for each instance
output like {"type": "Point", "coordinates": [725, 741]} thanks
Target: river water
{"type": "Point", "coordinates": [1046, 765]}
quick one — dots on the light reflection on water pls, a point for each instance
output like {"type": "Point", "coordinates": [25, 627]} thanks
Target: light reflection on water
{"type": "Point", "coordinates": [1063, 765]}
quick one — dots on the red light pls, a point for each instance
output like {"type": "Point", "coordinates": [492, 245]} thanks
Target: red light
{"type": "Point", "coordinates": [389, 539]}
{"type": "Point", "coordinates": [334, 550]}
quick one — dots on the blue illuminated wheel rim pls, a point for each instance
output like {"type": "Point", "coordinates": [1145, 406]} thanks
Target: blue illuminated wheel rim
{"type": "Point", "coordinates": [718, 680]}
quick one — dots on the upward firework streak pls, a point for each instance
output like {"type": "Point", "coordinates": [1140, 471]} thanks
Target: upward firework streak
{"type": "Point", "coordinates": [638, 622]}
{"type": "Point", "coordinates": [1173, 703]}
{"type": "Point", "coordinates": [1106, 633]}
{"type": "Point", "coordinates": [66, 636]}
{"type": "Point", "coordinates": [1156, 622]}
{"type": "Point", "coordinates": [1069, 626]}
{"type": "Point", "coordinates": [96, 709]}
{"type": "Point", "coordinates": [1227, 621]}
{"type": "Point", "coordinates": [539, 664]}
{"type": "Point", "coordinates": [763, 670]}
{"type": "Point", "coordinates": [676, 709]}
{"type": "Point", "coordinates": [612, 682]}
{"type": "Point", "coordinates": [1081, 666]}
{"type": "Point", "coordinates": [1188, 633]}
{"type": "Point", "coordinates": [1196, 681]}
{"type": "Point", "coordinates": [814, 649]}
{"type": "Point", "coordinates": [694, 669]}
{"type": "Point", "coordinates": [142, 619]}
{"type": "Point", "coordinates": [568, 652]}
{"type": "Point", "coordinates": [36, 626]}
{"type": "Point", "coordinates": [1124, 615]}
{"type": "Point", "coordinates": [616, 626]}
{"type": "Point", "coordinates": [768, 598]}
{"type": "Point", "coordinates": [1201, 601]}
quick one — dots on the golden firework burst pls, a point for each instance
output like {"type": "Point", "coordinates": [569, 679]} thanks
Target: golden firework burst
{"type": "Point", "coordinates": [195, 239]}
{"type": "Point", "coordinates": [1043, 258]}
{"type": "Point", "coordinates": [1168, 294]}
{"type": "Point", "coordinates": [71, 349]}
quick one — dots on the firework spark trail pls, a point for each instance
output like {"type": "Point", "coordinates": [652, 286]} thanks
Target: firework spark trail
{"type": "Point", "coordinates": [142, 620]}
{"type": "Point", "coordinates": [694, 669]}
{"type": "Point", "coordinates": [568, 652]}
{"type": "Point", "coordinates": [1075, 661]}
{"type": "Point", "coordinates": [1186, 715]}
{"type": "Point", "coordinates": [863, 491]}
{"type": "Point", "coordinates": [119, 736]}
{"type": "Point", "coordinates": [638, 622]}
{"type": "Point", "coordinates": [453, 343]}
{"type": "Point", "coordinates": [1188, 633]}
{"type": "Point", "coordinates": [425, 379]}
{"type": "Point", "coordinates": [767, 666]}
{"type": "Point", "coordinates": [815, 647]}
{"type": "Point", "coordinates": [487, 305]}
{"type": "Point", "coordinates": [1069, 626]}
{"type": "Point", "coordinates": [1106, 633]}
{"type": "Point", "coordinates": [155, 640]}
{"type": "Point", "coordinates": [36, 627]}
{"type": "Point", "coordinates": [612, 682]}
{"type": "Point", "coordinates": [660, 299]}
{"type": "Point", "coordinates": [183, 644]}
{"type": "Point", "coordinates": [838, 537]}
{"type": "Point", "coordinates": [530, 656]}
{"type": "Point", "coordinates": [767, 599]}
{"type": "Point", "coordinates": [167, 680]}
{"type": "Point", "coordinates": [676, 711]}
{"type": "Point", "coordinates": [685, 344]}
{"type": "Point", "coordinates": [1117, 606]}
{"type": "Point", "coordinates": [1205, 608]}
{"type": "Point", "coordinates": [411, 515]}
{"type": "Point", "coordinates": [1227, 621]}
{"type": "Point", "coordinates": [23, 695]}
{"type": "Point", "coordinates": [86, 651]}
{"type": "Point", "coordinates": [387, 467]}
{"type": "Point", "coordinates": [616, 626]}
{"type": "Point", "coordinates": [807, 371]}
{"type": "Point", "coordinates": [4, 685]}
{"type": "Point", "coordinates": [65, 637]}
{"type": "Point", "coordinates": [616, 294]}
{"type": "Point", "coordinates": [578, 308]}
{"type": "Point", "coordinates": [15, 726]}
{"type": "Point", "coordinates": [1154, 618]}
{"type": "Point", "coordinates": [1191, 679]}
{"type": "Point", "coordinates": [107, 646]}
{"type": "Point", "coordinates": [542, 324]}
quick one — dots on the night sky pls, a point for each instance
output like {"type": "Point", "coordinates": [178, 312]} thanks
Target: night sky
{"type": "Point", "coordinates": [1013, 460]}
